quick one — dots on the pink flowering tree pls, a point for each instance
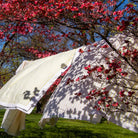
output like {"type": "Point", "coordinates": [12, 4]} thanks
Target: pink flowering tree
{"type": "Point", "coordinates": [72, 23]}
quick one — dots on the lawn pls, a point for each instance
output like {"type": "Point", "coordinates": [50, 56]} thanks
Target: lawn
{"type": "Point", "coordinates": [66, 128]}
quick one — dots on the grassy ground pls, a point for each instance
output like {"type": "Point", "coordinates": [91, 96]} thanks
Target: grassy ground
{"type": "Point", "coordinates": [69, 129]}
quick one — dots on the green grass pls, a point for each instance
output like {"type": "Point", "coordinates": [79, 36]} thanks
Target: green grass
{"type": "Point", "coordinates": [66, 128]}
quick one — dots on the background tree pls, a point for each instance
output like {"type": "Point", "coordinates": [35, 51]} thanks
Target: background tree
{"type": "Point", "coordinates": [63, 25]}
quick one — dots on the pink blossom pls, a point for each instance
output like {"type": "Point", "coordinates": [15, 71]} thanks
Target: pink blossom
{"type": "Point", "coordinates": [99, 102]}
{"type": "Point", "coordinates": [130, 5]}
{"type": "Point", "coordinates": [121, 93]}
{"type": "Point", "coordinates": [74, 16]}
{"type": "Point", "coordinates": [115, 104]}
{"type": "Point", "coordinates": [95, 44]}
{"type": "Point", "coordinates": [87, 67]}
{"type": "Point", "coordinates": [114, 13]}
{"type": "Point", "coordinates": [93, 91]}
{"type": "Point", "coordinates": [84, 77]}
{"type": "Point", "coordinates": [107, 105]}
{"type": "Point", "coordinates": [124, 74]}
{"type": "Point", "coordinates": [104, 46]}
{"type": "Point", "coordinates": [81, 51]}
{"type": "Point", "coordinates": [107, 71]}
{"type": "Point", "coordinates": [78, 79]}
{"type": "Point", "coordinates": [119, 69]}
{"type": "Point", "coordinates": [105, 92]}
{"type": "Point", "coordinates": [80, 14]}
{"type": "Point", "coordinates": [99, 108]}
{"type": "Point", "coordinates": [130, 93]}
{"type": "Point", "coordinates": [88, 97]}
{"type": "Point", "coordinates": [110, 77]}
{"type": "Point", "coordinates": [116, 18]}
{"type": "Point", "coordinates": [74, 9]}
{"type": "Point", "coordinates": [100, 69]}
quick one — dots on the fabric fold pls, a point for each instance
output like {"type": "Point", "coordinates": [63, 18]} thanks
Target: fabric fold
{"type": "Point", "coordinates": [13, 121]}
{"type": "Point", "coordinates": [26, 88]}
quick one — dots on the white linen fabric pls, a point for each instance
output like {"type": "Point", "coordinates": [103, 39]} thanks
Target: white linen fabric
{"type": "Point", "coordinates": [64, 103]}
{"type": "Point", "coordinates": [22, 66]}
{"type": "Point", "coordinates": [14, 120]}
{"type": "Point", "coordinates": [26, 88]}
